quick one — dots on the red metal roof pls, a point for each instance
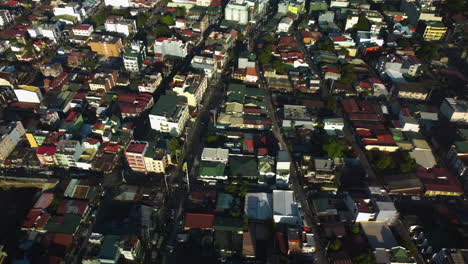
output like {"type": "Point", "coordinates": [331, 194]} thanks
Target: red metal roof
{"type": "Point", "coordinates": [350, 105]}
{"type": "Point", "coordinates": [281, 242]}
{"type": "Point", "coordinates": [439, 179]}
{"type": "Point", "coordinates": [72, 207]}
{"type": "Point", "coordinates": [136, 147]}
{"type": "Point", "coordinates": [44, 200]}
{"type": "Point", "coordinates": [42, 150]}
{"type": "Point", "coordinates": [364, 117]}
{"type": "Point", "coordinates": [198, 221]}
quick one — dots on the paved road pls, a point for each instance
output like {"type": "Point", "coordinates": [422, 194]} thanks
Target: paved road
{"type": "Point", "coordinates": [295, 177]}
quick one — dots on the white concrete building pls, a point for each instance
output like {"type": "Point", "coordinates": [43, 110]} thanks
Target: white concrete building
{"type": "Point", "coordinates": [5, 17]}
{"type": "Point", "coordinates": [117, 3]}
{"type": "Point", "coordinates": [170, 47]}
{"type": "Point", "coordinates": [169, 117]}
{"type": "Point", "coordinates": [284, 25]}
{"type": "Point", "coordinates": [193, 87]}
{"type": "Point", "coordinates": [28, 94]}
{"type": "Point", "coordinates": [351, 21]}
{"type": "Point", "coordinates": [363, 37]}
{"type": "Point", "coordinates": [10, 135]}
{"type": "Point", "coordinates": [283, 164]}
{"type": "Point", "coordinates": [70, 9]}
{"type": "Point", "coordinates": [150, 83]}
{"type": "Point", "coordinates": [120, 25]}
{"type": "Point", "coordinates": [237, 11]}
{"type": "Point", "coordinates": [215, 154]}
{"type": "Point", "coordinates": [84, 30]}
{"type": "Point", "coordinates": [333, 123]}
{"type": "Point", "coordinates": [285, 210]}
{"type": "Point", "coordinates": [455, 110]}
{"type": "Point", "coordinates": [50, 31]}
{"type": "Point", "coordinates": [203, 2]}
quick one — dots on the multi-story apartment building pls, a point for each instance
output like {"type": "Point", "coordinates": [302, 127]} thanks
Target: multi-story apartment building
{"type": "Point", "coordinates": [237, 11]}
{"type": "Point", "coordinates": [10, 135]}
{"type": "Point", "coordinates": [455, 110]}
{"type": "Point", "coordinates": [149, 83]}
{"type": "Point", "coordinates": [106, 46]}
{"type": "Point", "coordinates": [134, 56]}
{"type": "Point", "coordinates": [170, 47]}
{"type": "Point", "coordinates": [5, 17]}
{"type": "Point", "coordinates": [49, 31]}
{"type": "Point", "coordinates": [72, 9]}
{"type": "Point", "coordinates": [431, 30]}
{"type": "Point", "coordinates": [156, 160]}
{"type": "Point", "coordinates": [45, 155]}
{"type": "Point", "coordinates": [68, 153]}
{"type": "Point", "coordinates": [192, 87]}
{"type": "Point", "coordinates": [120, 25]}
{"type": "Point", "coordinates": [104, 81]}
{"type": "Point", "coordinates": [135, 154]}
{"type": "Point", "coordinates": [168, 116]}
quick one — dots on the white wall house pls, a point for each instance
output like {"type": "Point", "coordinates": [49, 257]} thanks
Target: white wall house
{"type": "Point", "coordinates": [28, 94]}
{"type": "Point", "coordinates": [169, 117]}
{"type": "Point", "coordinates": [238, 11]}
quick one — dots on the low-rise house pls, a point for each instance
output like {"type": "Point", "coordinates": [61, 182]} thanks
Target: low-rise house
{"type": "Point", "coordinates": [104, 81]}
{"type": "Point", "coordinates": [283, 164]}
{"type": "Point", "coordinates": [285, 209]}
{"type": "Point", "coordinates": [336, 123]}
{"type": "Point", "coordinates": [192, 86]}
{"type": "Point", "coordinates": [212, 171]}
{"type": "Point", "coordinates": [258, 206]}
{"type": "Point", "coordinates": [379, 235]}
{"type": "Point", "coordinates": [83, 30]}
{"type": "Point", "coordinates": [412, 91]}
{"type": "Point", "coordinates": [266, 169]}
{"type": "Point", "coordinates": [134, 55]}
{"type": "Point", "coordinates": [172, 47]}
{"type": "Point", "coordinates": [215, 155]}
{"type": "Point", "coordinates": [439, 181]}
{"type": "Point", "coordinates": [284, 25]}
{"type": "Point", "coordinates": [198, 221]}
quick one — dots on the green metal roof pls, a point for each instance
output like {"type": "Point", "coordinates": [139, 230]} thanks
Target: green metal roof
{"type": "Point", "coordinates": [66, 224]}
{"type": "Point", "coordinates": [226, 201]}
{"type": "Point", "coordinates": [243, 167]}
{"type": "Point", "coordinates": [462, 146]}
{"type": "Point", "coordinates": [109, 248]}
{"type": "Point", "coordinates": [209, 168]}
{"type": "Point", "coordinates": [166, 105]}
{"type": "Point", "coordinates": [233, 224]}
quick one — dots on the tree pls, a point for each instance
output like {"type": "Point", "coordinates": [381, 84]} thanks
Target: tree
{"type": "Point", "coordinates": [325, 44]}
{"type": "Point", "coordinates": [335, 245]}
{"type": "Point", "coordinates": [456, 6]}
{"type": "Point", "coordinates": [100, 17]}
{"type": "Point", "coordinates": [363, 23]}
{"type": "Point", "coordinates": [167, 20]}
{"type": "Point", "coordinates": [174, 145]}
{"type": "Point", "coordinates": [384, 162]}
{"type": "Point", "coordinates": [268, 38]}
{"type": "Point", "coordinates": [364, 258]}
{"type": "Point", "coordinates": [231, 54]}
{"type": "Point", "coordinates": [240, 37]}
{"type": "Point", "coordinates": [404, 22]}
{"type": "Point", "coordinates": [162, 30]}
{"type": "Point", "coordinates": [347, 73]}
{"type": "Point", "coordinates": [266, 55]}
{"type": "Point", "coordinates": [355, 229]}
{"type": "Point", "coordinates": [428, 51]}
{"type": "Point", "coordinates": [388, 7]}
{"type": "Point", "coordinates": [88, 64]}
{"type": "Point", "coordinates": [403, 42]}
{"type": "Point", "coordinates": [344, 51]}
{"type": "Point", "coordinates": [334, 148]}
{"type": "Point", "coordinates": [408, 164]}
{"type": "Point", "coordinates": [180, 11]}
{"type": "Point", "coordinates": [330, 103]}
{"type": "Point", "coordinates": [280, 67]}
{"type": "Point", "coordinates": [141, 19]}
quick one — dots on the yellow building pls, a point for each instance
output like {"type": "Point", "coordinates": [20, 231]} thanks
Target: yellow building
{"type": "Point", "coordinates": [106, 46]}
{"type": "Point", "coordinates": [433, 30]}
{"type": "Point", "coordinates": [296, 8]}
